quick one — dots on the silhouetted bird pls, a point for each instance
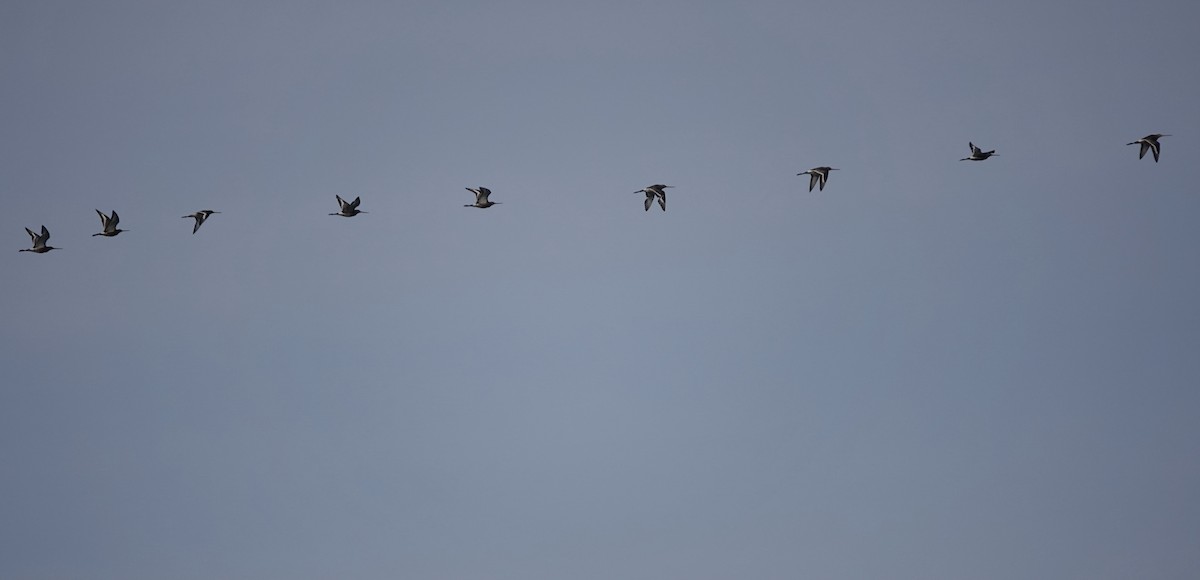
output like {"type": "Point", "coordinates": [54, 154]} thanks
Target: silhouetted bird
{"type": "Point", "coordinates": [653, 192]}
{"type": "Point", "coordinates": [1149, 142]}
{"type": "Point", "coordinates": [977, 154]}
{"type": "Point", "coordinates": [39, 241]}
{"type": "Point", "coordinates": [481, 198]}
{"type": "Point", "coordinates": [349, 209]}
{"type": "Point", "coordinates": [108, 224]}
{"type": "Point", "coordinates": [200, 216]}
{"type": "Point", "coordinates": [818, 176]}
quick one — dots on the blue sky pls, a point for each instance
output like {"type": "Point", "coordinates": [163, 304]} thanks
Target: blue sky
{"type": "Point", "coordinates": [931, 369]}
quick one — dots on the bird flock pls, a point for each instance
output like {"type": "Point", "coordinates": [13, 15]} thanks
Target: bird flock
{"type": "Point", "coordinates": [818, 176]}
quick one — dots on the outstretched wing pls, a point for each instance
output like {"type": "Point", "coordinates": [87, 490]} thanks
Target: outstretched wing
{"type": "Point", "coordinates": [813, 179]}
{"type": "Point", "coordinates": [354, 204]}
{"type": "Point", "coordinates": [1142, 153]}
{"type": "Point", "coordinates": [116, 219]}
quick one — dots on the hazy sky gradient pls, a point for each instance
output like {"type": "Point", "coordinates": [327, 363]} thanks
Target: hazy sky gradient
{"type": "Point", "coordinates": [932, 369]}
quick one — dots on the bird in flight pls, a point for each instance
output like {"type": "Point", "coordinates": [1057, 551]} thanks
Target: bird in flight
{"type": "Point", "coordinates": [653, 192]}
{"type": "Point", "coordinates": [349, 209]}
{"type": "Point", "coordinates": [1149, 142]}
{"type": "Point", "coordinates": [818, 176]}
{"type": "Point", "coordinates": [200, 216]}
{"type": "Point", "coordinates": [481, 197]}
{"type": "Point", "coordinates": [977, 154]}
{"type": "Point", "coordinates": [108, 224]}
{"type": "Point", "coordinates": [39, 241]}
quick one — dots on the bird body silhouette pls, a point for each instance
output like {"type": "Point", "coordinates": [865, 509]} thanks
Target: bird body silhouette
{"type": "Point", "coordinates": [39, 241]}
{"type": "Point", "coordinates": [655, 192]}
{"type": "Point", "coordinates": [1149, 143]}
{"type": "Point", "coordinates": [977, 154]}
{"type": "Point", "coordinates": [818, 176]}
{"type": "Point", "coordinates": [108, 224]}
{"type": "Point", "coordinates": [348, 208]}
{"type": "Point", "coordinates": [200, 216]}
{"type": "Point", "coordinates": [481, 198]}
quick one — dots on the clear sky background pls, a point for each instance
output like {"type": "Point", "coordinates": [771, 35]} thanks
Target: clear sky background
{"type": "Point", "coordinates": [932, 369]}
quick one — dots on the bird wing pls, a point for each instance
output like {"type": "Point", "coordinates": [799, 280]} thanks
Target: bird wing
{"type": "Point", "coordinates": [662, 200]}
{"type": "Point", "coordinates": [1145, 146]}
{"type": "Point", "coordinates": [813, 179]}
{"type": "Point", "coordinates": [116, 219]}
{"type": "Point", "coordinates": [354, 204]}
{"type": "Point", "coordinates": [649, 202]}
{"type": "Point", "coordinates": [341, 202]}
{"type": "Point", "coordinates": [1155, 148]}
{"type": "Point", "coordinates": [39, 241]}
{"type": "Point", "coordinates": [483, 194]}
{"type": "Point", "coordinates": [199, 217]}
{"type": "Point", "coordinates": [32, 236]}
{"type": "Point", "coordinates": [103, 219]}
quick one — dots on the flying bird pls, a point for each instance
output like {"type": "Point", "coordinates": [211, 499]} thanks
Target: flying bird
{"type": "Point", "coordinates": [653, 192]}
{"type": "Point", "coordinates": [1149, 142]}
{"type": "Point", "coordinates": [39, 241]}
{"type": "Point", "coordinates": [818, 176]}
{"type": "Point", "coordinates": [481, 198]}
{"type": "Point", "coordinates": [977, 154]}
{"type": "Point", "coordinates": [349, 209]}
{"type": "Point", "coordinates": [200, 216]}
{"type": "Point", "coordinates": [108, 224]}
